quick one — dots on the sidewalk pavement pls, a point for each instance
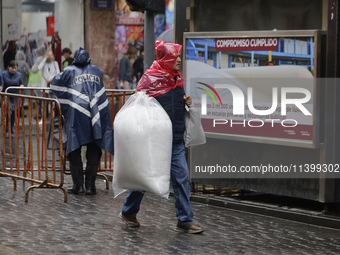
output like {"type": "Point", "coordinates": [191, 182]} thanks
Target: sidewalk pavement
{"type": "Point", "coordinates": [90, 225]}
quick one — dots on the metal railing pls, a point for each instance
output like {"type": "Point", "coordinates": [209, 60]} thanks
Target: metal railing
{"type": "Point", "coordinates": [25, 155]}
{"type": "Point", "coordinates": [116, 98]}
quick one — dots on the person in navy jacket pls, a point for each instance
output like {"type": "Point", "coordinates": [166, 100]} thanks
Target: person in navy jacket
{"type": "Point", "coordinates": [81, 93]}
{"type": "Point", "coordinates": [12, 77]}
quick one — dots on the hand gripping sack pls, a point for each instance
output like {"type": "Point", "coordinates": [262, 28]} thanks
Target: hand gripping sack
{"type": "Point", "coordinates": [194, 134]}
{"type": "Point", "coordinates": [143, 147]}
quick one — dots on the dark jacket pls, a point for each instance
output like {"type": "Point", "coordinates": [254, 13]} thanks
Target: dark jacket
{"type": "Point", "coordinates": [125, 70]}
{"type": "Point", "coordinates": [11, 80]}
{"type": "Point", "coordinates": [138, 68]}
{"type": "Point", "coordinates": [81, 93]}
{"type": "Point", "coordinates": [173, 104]}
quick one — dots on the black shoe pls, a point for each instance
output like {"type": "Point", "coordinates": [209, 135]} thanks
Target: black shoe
{"type": "Point", "coordinates": [76, 190]}
{"type": "Point", "coordinates": [91, 191]}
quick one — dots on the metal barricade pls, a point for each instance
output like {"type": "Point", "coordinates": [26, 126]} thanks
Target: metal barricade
{"type": "Point", "coordinates": [25, 153]}
{"type": "Point", "coordinates": [116, 98]}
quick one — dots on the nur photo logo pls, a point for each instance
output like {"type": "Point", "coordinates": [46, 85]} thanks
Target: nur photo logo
{"type": "Point", "coordinates": [279, 101]}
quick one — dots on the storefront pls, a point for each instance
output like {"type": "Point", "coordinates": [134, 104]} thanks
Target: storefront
{"type": "Point", "coordinates": [296, 37]}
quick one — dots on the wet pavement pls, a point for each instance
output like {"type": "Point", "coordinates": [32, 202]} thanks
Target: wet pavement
{"type": "Point", "coordinates": [90, 225]}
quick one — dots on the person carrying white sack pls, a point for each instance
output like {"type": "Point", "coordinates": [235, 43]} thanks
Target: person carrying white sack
{"type": "Point", "coordinates": [164, 82]}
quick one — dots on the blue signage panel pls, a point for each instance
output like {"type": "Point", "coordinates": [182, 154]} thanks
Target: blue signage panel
{"type": "Point", "coordinates": [102, 4]}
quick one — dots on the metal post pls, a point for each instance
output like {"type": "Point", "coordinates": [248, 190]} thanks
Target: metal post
{"type": "Point", "coordinates": [311, 52]}
{"type": "Point", "coordinates": [215, 60]}
{"type": "Point", "coordinates": [279, 48]}
{"type": "Point", "coordinates": [219, 59]}
{"type": "Point", "coordinates": [149, 40]}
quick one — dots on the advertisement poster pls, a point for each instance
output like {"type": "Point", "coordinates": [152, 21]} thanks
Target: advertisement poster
{"type": "Point", "coordinates": [129, 31]}
{"type": "Point", "coordinates": [253, 87]}
{"type": "Point", "coordinates": [169, 14]}
{"type": "Point", "coordinates": [159, 24]}
{"type": "Point", "coordinates": [165, 21]}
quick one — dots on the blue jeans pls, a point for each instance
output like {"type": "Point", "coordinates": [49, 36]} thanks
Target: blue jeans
{"type": "Point", "coordinates": [181, 186]}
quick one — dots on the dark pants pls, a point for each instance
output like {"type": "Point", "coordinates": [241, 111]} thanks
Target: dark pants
{"type": "Point", "coordinates": [93, 155]}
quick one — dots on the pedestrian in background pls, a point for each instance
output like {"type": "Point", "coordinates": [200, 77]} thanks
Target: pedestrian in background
{"type": "Point", "coordinates": [164, 82]}
{"type": "Point", "coordinates": [138, 66]}
{"type": "Point", "coordinates": [81, 93]}
{"type": "Point", "coordinates": [68, 59]}
{"type": "Point", "coordinates": [23, 67]}
{"type": "Point", "coordinates": [39, 56]}
{"type": "Point", "coordinates": [125, 69]}
{"type": "Point", "coordinates": [49, 69]}
{"type": "Point", "coordinates": [10, 53]}
{"type": "Point", "coordinates": [12, 78]}
{"type": "Point", "coordinates": [35, 77]}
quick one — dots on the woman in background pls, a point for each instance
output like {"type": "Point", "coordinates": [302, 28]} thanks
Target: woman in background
{"type": "Point", "coordinates": [125, 69]}
{"type": "Point", "coordinates": [12, 78]}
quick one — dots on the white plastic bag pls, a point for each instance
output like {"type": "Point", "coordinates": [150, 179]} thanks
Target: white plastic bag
{"type": "Point", "coordinates": [143, 147]}
{"type": "Point", "coordinates": [194, 134]}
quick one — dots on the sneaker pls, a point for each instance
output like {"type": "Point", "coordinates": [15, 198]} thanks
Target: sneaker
{"type": "Point", "coordinates": [129, 221]}
{"type": "Point", "coordinates": [190, 229]}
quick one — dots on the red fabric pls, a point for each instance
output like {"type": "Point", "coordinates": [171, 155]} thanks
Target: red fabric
{"type": "Point", "coordinates": [57, 55]}
{"type": "Point", "coordinates": [160, 78]}
{"type": "Point", "coordinates": [50, 26]}
{"type": "Point", "coordinates": [56, 48]}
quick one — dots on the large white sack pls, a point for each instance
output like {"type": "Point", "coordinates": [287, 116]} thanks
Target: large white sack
{"type": "Point", "coordinates": [143, 147]}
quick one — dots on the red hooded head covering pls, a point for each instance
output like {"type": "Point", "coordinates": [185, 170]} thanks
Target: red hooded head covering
{"type": "Point", "coordinates": [160, 78]}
